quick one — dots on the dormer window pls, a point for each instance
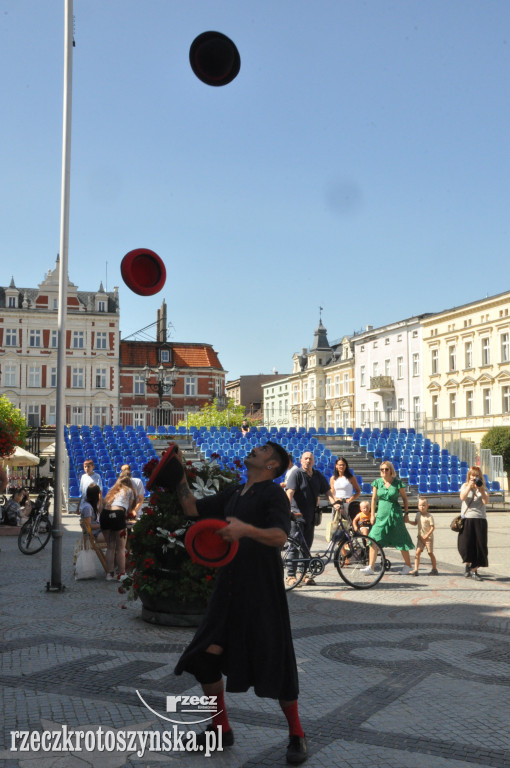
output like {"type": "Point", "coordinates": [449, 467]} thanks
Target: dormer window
{"type": "Point", "coordinates": [12, 302]}
{"type": "Point", "coordinates": [164, 355]}
{"type": "Point", "coordinates": [101, 306]}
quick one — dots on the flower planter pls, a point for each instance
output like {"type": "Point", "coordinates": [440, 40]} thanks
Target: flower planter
{"type": "Point", "coordinates": [165, 611]}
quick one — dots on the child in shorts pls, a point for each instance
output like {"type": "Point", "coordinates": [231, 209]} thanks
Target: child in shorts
{"type": "Point", "coordinates": [362, 519]}
{"type": "Point", "coordinates": [425, 523]}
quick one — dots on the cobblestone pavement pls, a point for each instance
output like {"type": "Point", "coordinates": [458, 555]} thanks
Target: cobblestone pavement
{"type": "Point", "coordinates": [415, 672]}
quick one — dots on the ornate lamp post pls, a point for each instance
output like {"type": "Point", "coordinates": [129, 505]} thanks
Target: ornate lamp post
{"type": "Point", "coordinates": [164, 383]}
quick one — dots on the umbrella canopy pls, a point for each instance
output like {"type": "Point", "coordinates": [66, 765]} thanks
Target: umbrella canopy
{"type": "Point", "coordinates": [21, 458]}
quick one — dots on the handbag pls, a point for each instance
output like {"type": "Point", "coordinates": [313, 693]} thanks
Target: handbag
{"type": "Point", "coordinates": [332, 525]}
{"type": "Point", "coordinates": [457, 524]}
{"type": "Point", "coordinates": [86, 565]}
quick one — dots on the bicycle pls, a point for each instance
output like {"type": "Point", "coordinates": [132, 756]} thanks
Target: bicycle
{"type": "Point", "coordinates": [36, 532]}
{"type": "Point", "coordinates": [348, 550]}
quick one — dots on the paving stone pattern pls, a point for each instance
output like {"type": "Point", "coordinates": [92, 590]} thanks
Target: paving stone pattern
{"type": "Point", "coordinates": [415, 672]}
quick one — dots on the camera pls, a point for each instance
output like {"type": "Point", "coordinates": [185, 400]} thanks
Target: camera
{"type": "Point", "coordinates": [478, 482]}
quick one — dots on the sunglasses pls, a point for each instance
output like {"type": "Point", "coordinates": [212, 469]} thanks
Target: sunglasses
{"type": "Point", "coordinates": [385, 469]}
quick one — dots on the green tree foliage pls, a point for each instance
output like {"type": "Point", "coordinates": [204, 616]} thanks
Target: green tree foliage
{"type": "Point", "coordinates": [210, 415]}
{"type": "Point", "coordinates": [497, 440]}
{"type": "Point", "coordinates": [13, 427]}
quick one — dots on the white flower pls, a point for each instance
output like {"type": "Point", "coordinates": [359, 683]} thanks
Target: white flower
{"type": "Point", "coordinates": [172, 539]}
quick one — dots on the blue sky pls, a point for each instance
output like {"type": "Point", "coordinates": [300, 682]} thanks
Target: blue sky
{"type": "Point", "coordinates": [359, 162]}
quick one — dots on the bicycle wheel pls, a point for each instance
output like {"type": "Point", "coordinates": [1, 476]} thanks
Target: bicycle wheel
{"type": "Point", "coordinates": [294, 557]}
{"type": "Point", "coordinates": [351, 561]}
{"type": "Point", "coordinates": [34, 535]}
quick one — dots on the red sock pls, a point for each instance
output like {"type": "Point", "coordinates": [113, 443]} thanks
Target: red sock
{"type": "Point", "coordinates": [220, 718]}
{"type": "Point", "coordinates": [291, 713]}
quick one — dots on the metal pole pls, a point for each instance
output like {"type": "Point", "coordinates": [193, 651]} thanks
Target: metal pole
{"type": "Point", "coordinates": [56, 553]}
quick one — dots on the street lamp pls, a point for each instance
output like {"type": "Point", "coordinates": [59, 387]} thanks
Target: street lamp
{"type": "Point", "coordinates": [166, 379]}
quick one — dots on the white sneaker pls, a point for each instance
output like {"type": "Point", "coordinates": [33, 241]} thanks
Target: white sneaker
{"type": "Point", "coordinates": [367, 571]}
{"type": "Point", "coordinates": [110, 577]}
{"type": "Point", "coordinates": [405, 570]}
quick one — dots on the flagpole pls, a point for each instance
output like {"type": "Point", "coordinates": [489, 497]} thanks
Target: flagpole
{"type": "Point", "coordinates": [56, 555]}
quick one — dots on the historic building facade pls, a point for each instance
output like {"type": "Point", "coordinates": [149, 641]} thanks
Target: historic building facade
{"type": "Point", "coordinates": [466, 367]}
{"type": "Point", "coordinates": [28, 352]}
{"type": "Point", "coordinates": [388, 375]}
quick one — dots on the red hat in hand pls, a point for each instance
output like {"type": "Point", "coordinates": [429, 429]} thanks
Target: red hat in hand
{"type": "Point", "coordinates": [206, 547]}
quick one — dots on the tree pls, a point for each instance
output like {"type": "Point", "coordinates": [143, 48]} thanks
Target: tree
{"type": "Point", "coordinates": [497, 440]}
{"type": "Point", "coordinates": [211, 416]}
{"type": "Point", "coordinates": [13, 427]}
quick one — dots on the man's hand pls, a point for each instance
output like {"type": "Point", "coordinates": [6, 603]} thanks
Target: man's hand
{"type": "Point", "coordinates": [235, 529]}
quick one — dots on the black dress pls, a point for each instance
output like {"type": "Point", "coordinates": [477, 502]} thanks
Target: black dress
{"type": "Point", "coordinates": [247, 614]}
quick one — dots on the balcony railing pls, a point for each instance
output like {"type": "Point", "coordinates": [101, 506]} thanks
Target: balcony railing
{"type": "Point", "coordinates": [381, 384]}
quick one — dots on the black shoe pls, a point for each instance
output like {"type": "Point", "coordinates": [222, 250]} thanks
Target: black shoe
{"type": "Point", "coordinates": [297, 751]}
{"type": "Point", "coordinates": [227, 738]}
{"type": "Point", "coordinates": [476, 576]}
{"type": "Point", "coordinates": [468, 573]}
{"type": "Point", "coordinates": [467, 568]}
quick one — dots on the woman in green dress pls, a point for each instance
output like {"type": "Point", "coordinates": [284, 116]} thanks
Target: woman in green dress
{"type": "Point", "coordinates": [389, 529]}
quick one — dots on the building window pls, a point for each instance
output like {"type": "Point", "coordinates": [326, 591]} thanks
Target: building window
{"type": "Point", "coordinates": [377, 415]}
{"type": "Point", "coordinates": [99, 415]}
{"type": "Point", "coordinates": [435, 361]}
{"type": "Point", "coordinates": [400, 408]}
{"type": "Point", "coordinates": [387, 367]}
{"type": "Point", "coordinates": [138, 384]}
{"type": "Point", "coordinates": [435, 406]}
{"type": "Point", "coordinates": [486, 356]}
{"type": "Point", "coordinates": [312, 389]}
{"type": "Point", "coordinates": [468, 354]}
{"type": "Point", "coordinates": [78, 378]}
{"type": "Point", "coordinates": [34, 376]}
{"type": "Point", "coordinates": [337, 386]}
{"type": "Point", "coordinates": [305, 391]}
{"type": "Point", "coordinates": [362, 376]}
{"type": "Point", "coordinates": [363, 414]}
{"type": "Point", "coordinates": [416, 364]}
{"type": "Point", "coordinates": [101, 340]}
{"type": "Point", "coordinates": [54, 339]}
{"type": "Point", "coordinates": [505, 392]}
{"type": "Point", "coordinates": [453, 404]}
{"type": "Point", "coordinates": [101, 306]}
{"type": "Point", "coordinates": [53, 377]}
{"type": "Point", "coordinates": [51, 415]}
{"type": "Point", "coordinates": [190, 386]}
{"type": "Point", "coordinates": [295, 394]}
{"type": "Point", "coordinates": [452, 357]}
{"type": "Point", "coordinates": [34, 416]}
{"type": "Point", "coordinates": [100, 378]}
{"type": "Point", "coordinates": [164, 355]}
{"type": "Point", "coordinates": [399, 337]}
{"type": "Point", "coordinates": [375, 368]}
{"type": "Point", "coordinates": [34, 338]}
{"type": "Point", "coordinates": [400, 367]}
{"type": "Point", "coordinates": [78, 339]}
{"type": "Point", "coordinates": [387, 340]}
{"type": "Point", "coordinates": [416, 408]}
{"type": "Point", "coordinates": [487, 408]}
{"type": "Point", "coordinates": [77, 415]}
{"type": "Point", "coordinates": [139, 418]}
{"type": "Point", "coordinates": [346, 383]}
{"type": "Point", "coordinates": [505, 347]}
{"type": "Point", "coordinates": [11, 337]}
{"type": "Point", "coordinates": [10, 376]}
{"type": "Point", "coordinates": [469, 402]}
{"type": "Point", "coordinates": [12, 302]}
{"type": "Point", "coordinates": [328, 387]}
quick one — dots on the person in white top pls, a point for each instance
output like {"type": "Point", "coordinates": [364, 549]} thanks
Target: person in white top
{"type": "Point", "coordinates": [344, 485]}
{"type": "Point", "coordinates": [138, 488]}
{"type": "Point", "coordinates": [87, 479]}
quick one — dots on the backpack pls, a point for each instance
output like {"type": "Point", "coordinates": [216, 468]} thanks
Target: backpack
{"type": "Point", "coordinates": [10, 513]}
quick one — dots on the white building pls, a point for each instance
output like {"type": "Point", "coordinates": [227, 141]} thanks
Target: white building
{"type": "Point", "coordinates": [388, 375]}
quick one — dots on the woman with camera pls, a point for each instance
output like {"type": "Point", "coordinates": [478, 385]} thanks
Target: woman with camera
{"type": "Point", "coordinates": [472, 541]}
